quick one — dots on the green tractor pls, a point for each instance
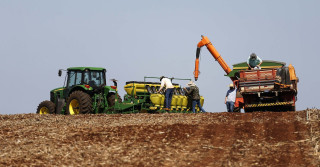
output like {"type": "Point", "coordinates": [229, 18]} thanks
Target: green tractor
{"type": "Point", "coordinates": [85, 92]}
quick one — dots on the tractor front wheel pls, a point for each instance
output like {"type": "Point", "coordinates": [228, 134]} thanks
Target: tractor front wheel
{"type": "Point", "coordinates": [79, 102]}
{"type": "Point", "coordinates": [46, 107]}
{"type": "Point", "coordinates": [112, 99]}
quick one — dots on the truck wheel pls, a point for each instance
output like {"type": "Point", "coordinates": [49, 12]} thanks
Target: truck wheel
{"type": "Point", "coordinates": [292, 108]}
{"type": "Point", "coordinates": [79, 103]}
{"type": "Point", "coordinates": [112, 99]}
{"type": "Point", "coordinates": [46, 107]}
{"type": "Point", "coordinates": [247, 110]}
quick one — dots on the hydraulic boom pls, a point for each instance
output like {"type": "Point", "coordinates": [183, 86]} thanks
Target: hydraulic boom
{"type": "Point", "coordinates": [206, 42]}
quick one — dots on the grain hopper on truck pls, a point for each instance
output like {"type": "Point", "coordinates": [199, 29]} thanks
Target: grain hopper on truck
{"type": "Point", "coordinates": [271, 88]}
{"type": "Point", "coordinates": [86, 92]}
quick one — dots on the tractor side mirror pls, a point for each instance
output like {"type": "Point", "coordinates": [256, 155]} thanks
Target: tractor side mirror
{"type": "Point", "coordinates": [60, 73]}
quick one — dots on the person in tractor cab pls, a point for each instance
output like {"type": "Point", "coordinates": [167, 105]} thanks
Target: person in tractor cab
{"type": "Point", "coordinates": [254, 62]}
{"type": "Point", "coordinates": [194, 92]}
{"type": "Point", "coordinates": [169, 91]}
{"type": "Point", "coordinates": [230, 98]}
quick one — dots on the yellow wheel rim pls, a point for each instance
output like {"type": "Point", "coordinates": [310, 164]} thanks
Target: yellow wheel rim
{"type": "Point", "coordinates": [44, 110]}
{"type": "Point", "coordinates": [74, 108]}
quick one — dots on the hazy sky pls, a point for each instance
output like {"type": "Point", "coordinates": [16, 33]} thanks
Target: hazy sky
{"type": "Point", "coordinates": [133, 39]}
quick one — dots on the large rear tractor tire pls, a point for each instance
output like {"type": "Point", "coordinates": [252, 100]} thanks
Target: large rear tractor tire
{"type": "Point", "coordinates": [79, 102]}
{"type": "Point", "coordinates": [46, 107]}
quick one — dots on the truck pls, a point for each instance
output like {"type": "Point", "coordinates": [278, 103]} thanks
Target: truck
{"type": "Point", "coordinates": [271, 88]}
{"type": "Point", "coordinates": [86, 92]}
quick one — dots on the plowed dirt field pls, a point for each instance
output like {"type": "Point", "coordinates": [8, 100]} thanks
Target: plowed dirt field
{"type": "Point", "coordinates": [204, 139]}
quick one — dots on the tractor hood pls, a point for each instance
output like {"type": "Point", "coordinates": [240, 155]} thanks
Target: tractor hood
{"type": "Point", "coordinates": [58, 89]}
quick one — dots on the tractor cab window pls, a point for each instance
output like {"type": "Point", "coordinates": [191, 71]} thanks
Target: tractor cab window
{"type": "Point", "coordinates": [86, 77]}
{"type": "Point", "coordinates": [74, 78]}
{"type": "Point", "coordinates": [94, 78]}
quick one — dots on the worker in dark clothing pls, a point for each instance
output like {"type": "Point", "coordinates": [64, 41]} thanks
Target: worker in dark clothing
{"type": "Point", "coordinates": [193, 91]}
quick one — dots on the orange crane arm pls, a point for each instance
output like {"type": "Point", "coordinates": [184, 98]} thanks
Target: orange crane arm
{"type": "Point", "coordinates": [206, 42]}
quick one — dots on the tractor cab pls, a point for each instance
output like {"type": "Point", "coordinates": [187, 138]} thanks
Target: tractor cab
{"type": "Point", "coordinates": [86, 78]}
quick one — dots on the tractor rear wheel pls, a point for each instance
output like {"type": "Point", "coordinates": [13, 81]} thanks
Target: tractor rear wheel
{"type": "Point", "coordinates": [46, 107]}
{"type": "Point", "coordinates": [79, 102]}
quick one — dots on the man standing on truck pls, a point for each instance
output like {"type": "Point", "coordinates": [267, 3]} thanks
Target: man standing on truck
{"type": "Point", "coordinates": [169, 91]}
{"type": "Point", "coordinates": [194, 93]}
{"type": "Point", "coordinates": [254, 62]}
{"type": "Point", "coordinates": [230, 98]}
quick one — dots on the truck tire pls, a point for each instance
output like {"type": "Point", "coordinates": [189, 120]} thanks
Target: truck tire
{"type": "Point", "coordinates": [79, 102]}
{"type": "Point", "coordinates": [46, 107]}
{"type": "Point", "coordinates": [247, 110]}
{"type": "Point", "coordinates": [112, 99]}
{"type": "Point", "coordinates": [292, 108]}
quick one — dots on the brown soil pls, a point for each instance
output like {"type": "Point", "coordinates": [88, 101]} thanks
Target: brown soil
{"type": "Point", "coordinates": [205, 139]}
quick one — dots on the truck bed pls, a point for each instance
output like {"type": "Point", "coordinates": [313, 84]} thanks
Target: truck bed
{"type": "Point", "coordinates": [257, 80]}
